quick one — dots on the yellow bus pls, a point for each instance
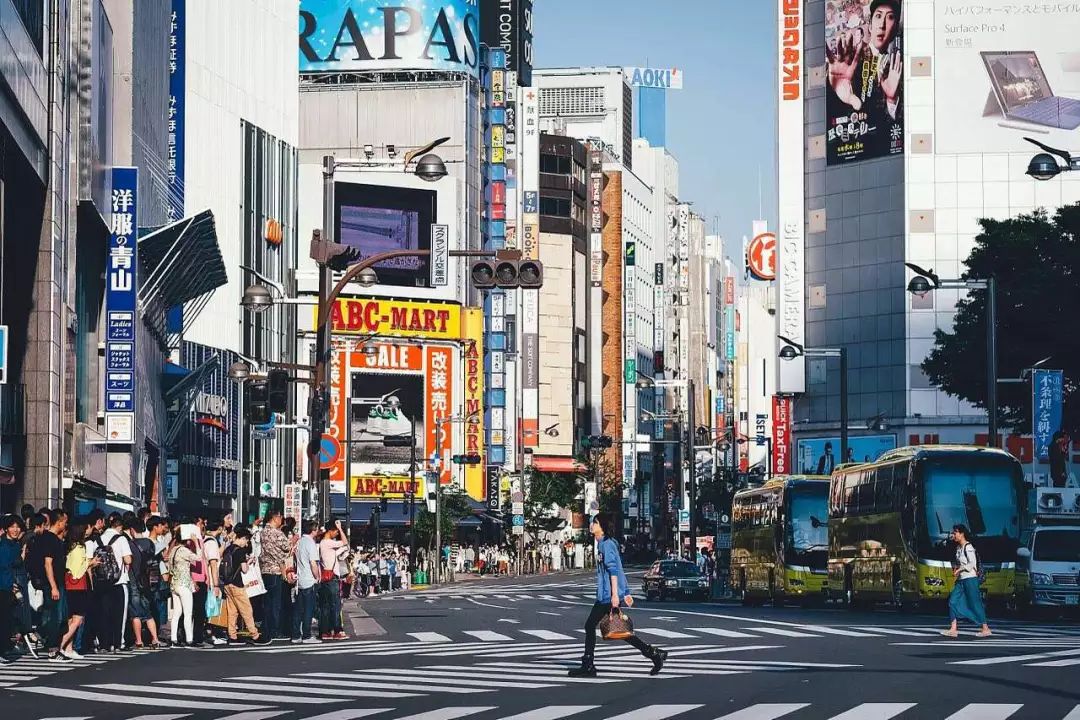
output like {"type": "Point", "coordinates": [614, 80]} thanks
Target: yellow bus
{"type": "Point", "coordinates": [779, 541]}
{"type": "Point", "coordinates": [889, 523]}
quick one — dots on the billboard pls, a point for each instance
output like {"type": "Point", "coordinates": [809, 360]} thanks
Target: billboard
{"type": "Point", "coordinates": [508, 24]}
{"type": "Point", "coordinates": [781, 435]}
{"type": "Point", "coordinates": [1003, 70]}
{"type": "Point", "coordinates": [659, 78]}
{"type": "Point", "coordinates": [791, 304]}
{"type": "Point", "coordinates": [1047, 400]}
{"type": "Point", "coordinates": [864, 71]}
{"type": "Point", "coordinates": [403, 318]}
{"type": "Point", "coordinates": [359, 35]}
{"type": "Point", "coordinates": [761, 257]}
{"type": "Point", "coordinates": [473, 358]}
{"type": "Point", "coordinates": [820, 456]}
{"type": "Point", "coordinates": [376, 219]}
{"type": "Point", "coordinates": [121, 307]}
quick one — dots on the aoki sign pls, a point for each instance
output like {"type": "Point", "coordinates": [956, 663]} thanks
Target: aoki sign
{"type": "Point", "coordinates": [359, 35]}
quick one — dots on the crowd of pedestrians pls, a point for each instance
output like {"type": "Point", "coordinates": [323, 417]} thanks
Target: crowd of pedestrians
{"type": "Point", "coordinates": [119, 583]}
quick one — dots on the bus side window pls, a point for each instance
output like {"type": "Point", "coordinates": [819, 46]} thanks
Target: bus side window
{"type": "Point", "coordinates": [883, 490]}
{"type": "Point", "coordinates": [851, 499]}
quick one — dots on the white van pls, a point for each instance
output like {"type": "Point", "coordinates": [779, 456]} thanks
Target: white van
{"type": "Point", "coordinates": [1052, 562]}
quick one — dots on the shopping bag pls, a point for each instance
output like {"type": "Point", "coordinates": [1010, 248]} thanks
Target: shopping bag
{"type": "Point", "coordinates": [616, 625]}
{"type": "Point", "coordinates": [253, 582]}
{"type": "Point", "coordinates": [213, 605]}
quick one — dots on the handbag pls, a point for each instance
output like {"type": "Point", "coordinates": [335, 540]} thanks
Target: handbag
{"type": "Point", "coordinates": [616, 625]}
{"type": "Point", "coordinates": [252, 579]}
{"type": "Point", "coordinates": [327, 575]}
{"type": "Point", "coordinates": [73, 584]}
{"type": "Point", "coordinates": [213, 605]}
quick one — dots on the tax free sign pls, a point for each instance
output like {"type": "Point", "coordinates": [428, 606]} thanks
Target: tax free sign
{"type": "Point", "coordinates": [360, 35]}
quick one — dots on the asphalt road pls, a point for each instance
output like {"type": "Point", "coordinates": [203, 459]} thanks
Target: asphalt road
{"type": "Point", "coordinates": [499, 648]}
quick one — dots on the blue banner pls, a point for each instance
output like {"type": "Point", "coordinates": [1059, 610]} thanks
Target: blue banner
{"type": "Point", "coordinates": [121, 307]}
{"type": "Point", "coordinates": [177, 90]}
{"type": "Point", "coordinates": [1047, 400]}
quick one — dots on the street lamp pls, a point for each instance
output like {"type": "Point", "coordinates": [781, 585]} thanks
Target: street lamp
{"type": "Point", "coordinates": [925, 281]}
{"type": "Point", "coordinates": [367, 278]}
{"type": "Point", "coordinates": [239, 371]}
{"type": "Point", "coordinates": [1044, 166]}
{"type": "Point", "coordinates": [257, 298]}
{"type": "Point", "coordinates": [792, 350]}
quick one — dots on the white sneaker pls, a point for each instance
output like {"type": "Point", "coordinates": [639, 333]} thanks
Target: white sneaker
{"type": "Point", "coordinates": [311, 641]}
{"type": "Point", "coordinates": [219, 641]}
{"type": "Point", "coordinates": [30, 646]}
{"type": "Point", "coordinates": [398, 425]}
{"type": "Point", "coordinates": [71, 654]}
{"type": "Point", "coordinates": [375, 423]}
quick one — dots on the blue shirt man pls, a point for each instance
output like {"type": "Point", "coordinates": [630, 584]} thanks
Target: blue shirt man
{"type": "Point", "coordinates": [610, 576]}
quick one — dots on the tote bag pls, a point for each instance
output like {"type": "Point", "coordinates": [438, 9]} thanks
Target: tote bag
{"type": "Point", "coordinates": [253, 582]}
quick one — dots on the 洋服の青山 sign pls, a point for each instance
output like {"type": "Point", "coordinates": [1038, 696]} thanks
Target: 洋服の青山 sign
{"type": "Point", "coordinates": [379, 316]}
{"type": "Point", "coordinates": [358, 35]}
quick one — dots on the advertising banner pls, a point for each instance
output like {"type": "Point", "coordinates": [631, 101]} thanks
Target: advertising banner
{"type": "Point", "coordinates": [864, 71]}
{"type": "Point", "coordinates": [761, 257]}
{"type": "Point", "coordinates": [438, 398]}
{"type": "Point", "coordinates": [1047, 400]}
{"type": "Point", "coordinates": [177, 104]}
{"type": "Point", "coordinates": [403, 318]}
{"type": "Point", "coordinates": [791, 307]}
{"type": "Point", "coordinates": [391, 487]}
{"type": "Point", "coordinates": [359, 35]}
{"type": "Point", "coordinates": [820, 456]}
{"type": "Point", "coordinates": [508, 24]}
{"type": "Point", "coordinates": [781, 435]}
{"type": "Point", "coordinates": [473, 350]}
{"type": "Point", "coordinates": [1004, 69]}
{"type": "Point", "coordinates": [375, 219]}
{"type": "Point", "coordinates": [121, 307]}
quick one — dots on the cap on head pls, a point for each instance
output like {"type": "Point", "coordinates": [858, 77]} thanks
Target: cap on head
{"type": "Point", "coordinates": [892, 4]}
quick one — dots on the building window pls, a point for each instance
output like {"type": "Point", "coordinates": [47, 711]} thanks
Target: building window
{"type": "Point", "coordinates": [556, 164]}
{"type": "Point", "coordinates": [32, 14]}
{"type": "Point", "coordinates": [556, 207]}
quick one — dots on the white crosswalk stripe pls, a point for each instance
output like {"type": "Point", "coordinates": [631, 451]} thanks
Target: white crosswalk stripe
{"type": "Point", "coordinates": [547, 634]}
{"type": "Point", "coordinates": [488, 635]}
{"type": "Point", "coordinates": [429, 637]}
{"type": "Point", "coordinates": [649, 711]}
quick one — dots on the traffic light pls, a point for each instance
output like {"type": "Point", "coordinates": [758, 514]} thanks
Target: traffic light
{"type": "Point", "coordinates": [507, 273]}
{"type": "Point", "coordinates": [278, 390]}
{"type": "Point", "coordinates": [598, 442]}
{"type": "Point", "coordinates": [317, 414]}
{"type": "Point", "coordinates": [256, 405]}
{"type": "Point", "coordinates": [472, 459]}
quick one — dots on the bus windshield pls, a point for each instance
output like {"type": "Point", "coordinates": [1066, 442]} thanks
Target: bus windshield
{"type": "Point", "coordinates": [984, 497]}
{"type": "Point", "coordinates": [1057, 546]}
{"type": "Point", "coordinates": [809, 517]}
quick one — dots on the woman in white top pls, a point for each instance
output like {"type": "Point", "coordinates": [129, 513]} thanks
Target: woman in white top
{"type": "Point", "coordinates": [965, 602]}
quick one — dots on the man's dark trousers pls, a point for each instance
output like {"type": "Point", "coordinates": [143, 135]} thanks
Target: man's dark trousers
{"type": "Point", "coordinates": [599, 610]}
{"type": "Point", "coordinates": [272, 606]}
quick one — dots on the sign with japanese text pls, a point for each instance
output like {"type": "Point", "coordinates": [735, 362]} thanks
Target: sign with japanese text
{"type": "Point", "coordinates": [1047, 401]}
{"type": "Point", "coordinates": [440, 255]}
{"type": "Point", "coordinates": [177, 105]}
{"type": "Point", "coordinates": [294, 497]}
{"type": "Point", "coordinates": [761, 257]}
{"type": "Point", "coordinates": [439, 406]}
{"type": "Point", "coordinates": [781, 435]}
{"type": "Point", "coordinates": [790, 153]}
{"type": "Point", "coordinates": [121, 311]}
{"type": "Point", "coordinates": [473, 357]}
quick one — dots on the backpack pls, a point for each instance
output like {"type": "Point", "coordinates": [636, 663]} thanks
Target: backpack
{"type": "Point", "coordinates": [227, 570]}
{"type": "Point", "coordinates": [107, 570]}
{"type": "Point", "coordinates": [980, 571]}
{"type": "Point", "coordinates": [144, 563]}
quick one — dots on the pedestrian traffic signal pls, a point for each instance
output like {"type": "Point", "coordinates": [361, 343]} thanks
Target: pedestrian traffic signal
{"type": "Point", "coordinates": [257, 406]}
{"type": "Point", "coordinates": [278, 392]}
{"type": "Point", "coordinates": [472, 459]}
{"type": "Point", "coordinates": [507, 274]}
{"type": "Point", "coordinates": [598, 442]}
{"type": "Point", "coordinates": [384, 505]}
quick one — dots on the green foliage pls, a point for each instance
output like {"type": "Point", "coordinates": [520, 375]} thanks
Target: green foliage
{"type": "Point", "coordinates": [1036, 260]}
{"type": "Point", "coordinates": [455, 506]}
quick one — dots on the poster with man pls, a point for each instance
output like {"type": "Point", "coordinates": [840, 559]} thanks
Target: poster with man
{"type": "Point", "coordinates": [864, 80]}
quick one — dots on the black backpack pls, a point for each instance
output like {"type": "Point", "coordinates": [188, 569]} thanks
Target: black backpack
{"type": "Point", "coordinates": [107, 570]}
{"type": "Point", "coordinates": [980, 571]}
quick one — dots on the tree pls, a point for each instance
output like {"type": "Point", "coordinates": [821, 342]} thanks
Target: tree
{"type": "Point", "coordinates": [1036, 260]}
{"type": "Point", "coordinates": [455, 506]}
{"type": "Point", "coordinates": [546, 490]}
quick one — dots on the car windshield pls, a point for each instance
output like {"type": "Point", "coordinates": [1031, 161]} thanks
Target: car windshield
{"type": "Point", "coordinates": [809, 504]}
{"type": "Point", "coordinates": [1057, 546]}
{"type": "Point", "coordinates": [682, 569]}
{"type": "Point", "coordinates": [982, 497]}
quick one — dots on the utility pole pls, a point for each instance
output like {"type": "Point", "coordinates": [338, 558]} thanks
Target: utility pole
{"type": "Point", "coordinates": [691, 438]}
{"type": "Point", "coordinates": [321, 376]}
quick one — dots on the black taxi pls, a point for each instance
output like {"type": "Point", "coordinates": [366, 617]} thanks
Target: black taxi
{"type": "Point", "coordinates": [675, 579]}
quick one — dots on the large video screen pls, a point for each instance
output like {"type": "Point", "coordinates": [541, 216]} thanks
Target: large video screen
{"type": "Point", "coordinates": [376, 219]}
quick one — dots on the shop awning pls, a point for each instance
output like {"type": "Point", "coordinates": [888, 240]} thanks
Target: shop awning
{"type": "Point", "coordinates": [396, 515]}
{"type": "Point", "coordinates": [181, 261]}
{"type": "Point", "coordinates": [185, 389]}
{"type": "Point", "coordinates": [557, 464]}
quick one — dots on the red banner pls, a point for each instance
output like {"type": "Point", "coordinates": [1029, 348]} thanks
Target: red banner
{"type": "Point", "coordinates": [781, 437]}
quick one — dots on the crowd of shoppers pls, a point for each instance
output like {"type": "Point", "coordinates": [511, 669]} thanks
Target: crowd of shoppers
{"type": "Point", "coordinates": [118, 583]}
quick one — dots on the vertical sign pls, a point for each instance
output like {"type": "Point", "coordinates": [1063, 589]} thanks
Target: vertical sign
{"type": "Point", "coordinates": [337, 421]}
{"type": "Point", "coordinates": [473, 351]}
{"type": "Point", "coordinates": [781, 435]}
{"type": "Point", "coordinates": [791, 374]}
{"type": "Point", "coordinates": [293, 500]}
{"type": "Point", "coordinates": [121, 311]}
{"type": "Point", "coordinates": [529, 181]}
{"type": "Point", "coordinates": [596, 221]}
{"type": "Point", "coordinates": [440, 255]}
{"type": "Point", "coordinates": [177, 94]}
{"type": "Point", "coordinates": [729, 318]}
{"type": "Point", "coordinates": [1047, 390]}
{"type": "Point", "coordinates": [438, 401]}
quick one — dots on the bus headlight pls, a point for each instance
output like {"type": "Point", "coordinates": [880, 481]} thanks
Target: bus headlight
{"type": "Point", "coordinates": [934, 581]}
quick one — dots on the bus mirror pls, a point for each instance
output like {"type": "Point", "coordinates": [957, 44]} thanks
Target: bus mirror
{"type": "Point", "coordinates": [816, 523]}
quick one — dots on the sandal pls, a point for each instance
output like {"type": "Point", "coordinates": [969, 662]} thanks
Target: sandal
{"type": "Point", "coordinates": [155, 646]}
{"type": "Point", "coordinates": [950, 633]}
{"type": "Point", "coordinates": [983, 633]}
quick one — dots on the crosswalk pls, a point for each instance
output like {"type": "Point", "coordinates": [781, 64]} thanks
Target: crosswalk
{"type": "Point", "coordinates": [255, 693]}
{"type": "Point", "coordinates": [27, 669]}
{"type": "Point", "coordinates": [646, 711]}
